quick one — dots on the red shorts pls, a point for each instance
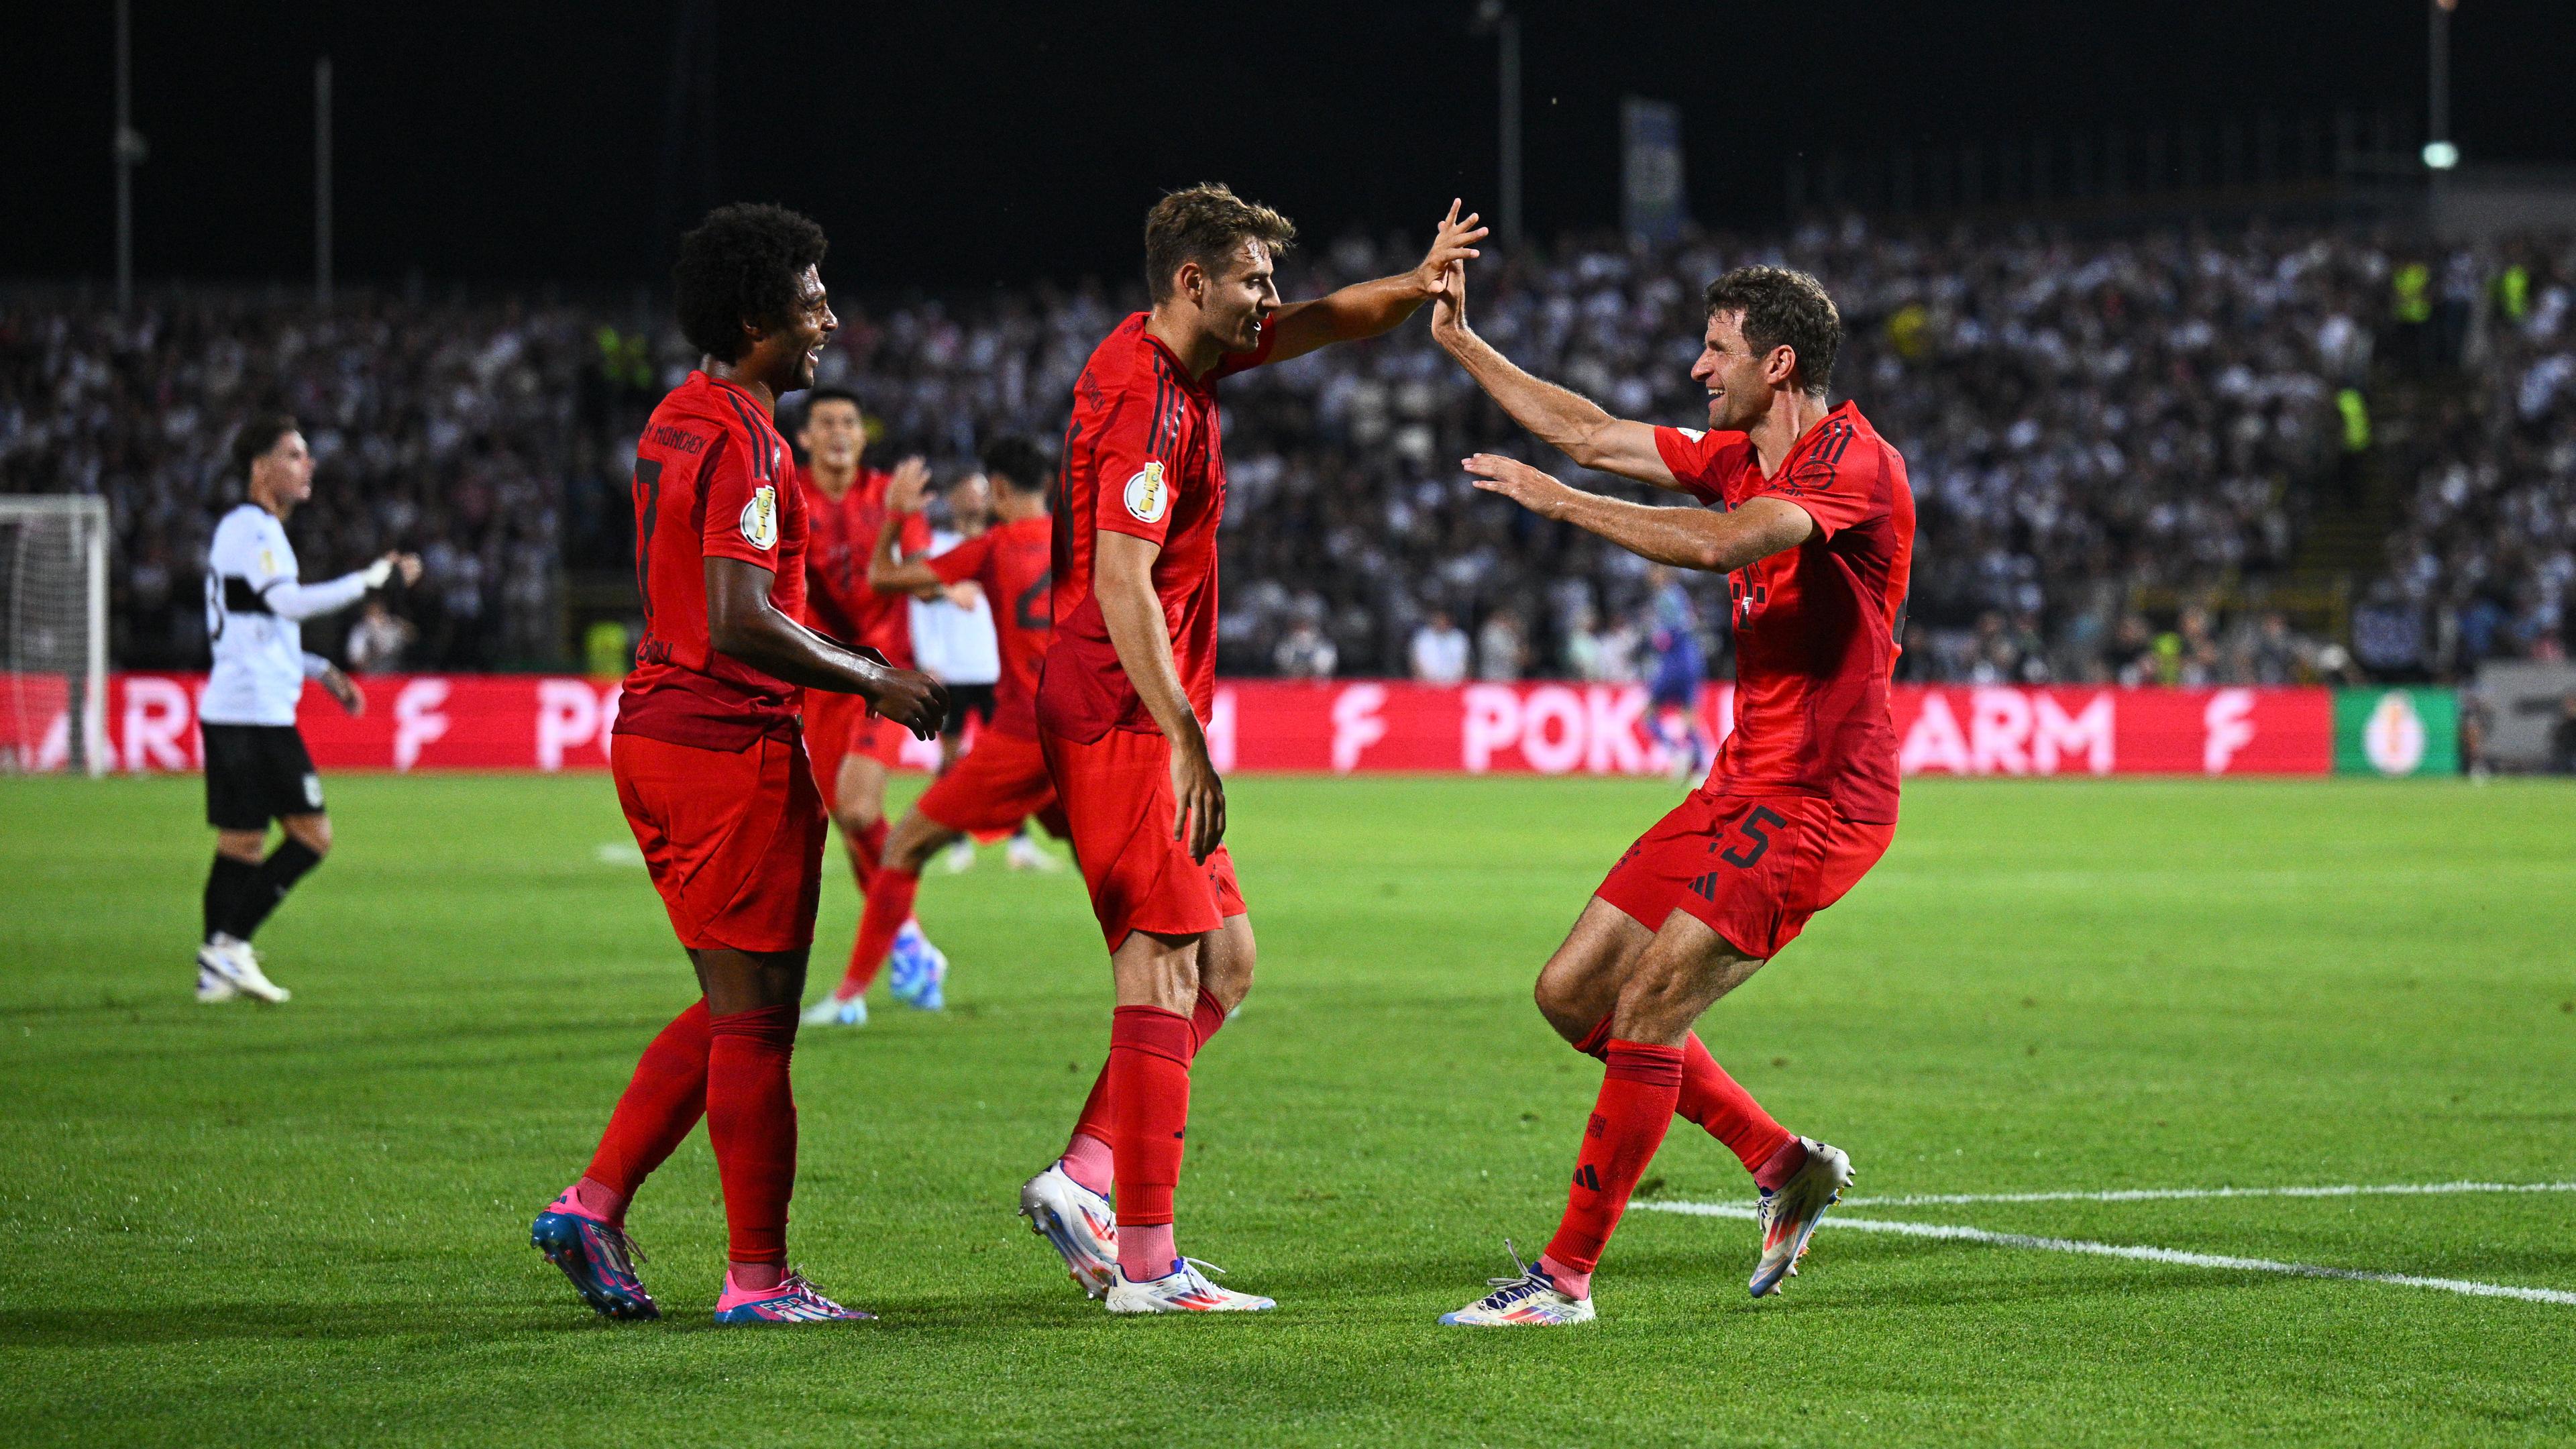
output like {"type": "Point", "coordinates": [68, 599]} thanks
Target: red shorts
{"type": "Point", "coordinates": [993, 787]}
{"type": "Point", "coordinates": [1117, 798]}
{"type": "Point", "coordinates": [838, 726]}
{"type": "Point", "coordinates": [734, 838]}
{"type": "Point", "coordinates": [1754, 869]}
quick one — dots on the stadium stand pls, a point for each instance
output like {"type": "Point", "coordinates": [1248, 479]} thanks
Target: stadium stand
{"type": "Point", "coordinates": [2266, 456]}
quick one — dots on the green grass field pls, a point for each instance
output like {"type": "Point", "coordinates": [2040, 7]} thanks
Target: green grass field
{"type": "Point", "coordinates": [309, 1224]}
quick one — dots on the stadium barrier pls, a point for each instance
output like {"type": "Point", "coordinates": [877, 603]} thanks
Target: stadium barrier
{"type": "Point", "coordinates": [523, 722]}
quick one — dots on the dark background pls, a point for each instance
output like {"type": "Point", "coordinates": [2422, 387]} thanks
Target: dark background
{"type": "Point", "coordinates": [960, 145]}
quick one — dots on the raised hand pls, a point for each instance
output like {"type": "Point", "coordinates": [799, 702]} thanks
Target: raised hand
{"type": "Point", "coordinates": [911, 480]}
{"type": "Point", "coordinates": [1452, 242]}
{"type": "Point", "coordinates": [1449, 304]}
{"type": "Point", "coordinates": [1538, 492]}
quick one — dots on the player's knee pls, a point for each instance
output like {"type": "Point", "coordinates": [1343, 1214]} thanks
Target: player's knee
{"type": "Point", "coordinates": [313, 832]}
{"type": "Point", "coordinates": [915, 840]}
{"type": "Point", "coordinates": [858, 817]}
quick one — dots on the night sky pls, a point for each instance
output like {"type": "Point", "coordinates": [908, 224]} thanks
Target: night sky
{"type": "Point", "coordinates": [958, 145]}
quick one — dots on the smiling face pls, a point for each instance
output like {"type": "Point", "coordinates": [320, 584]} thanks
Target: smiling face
{"type": "Point", "coordinates": [1235, 299]}
{"type": "Point", "coordinates": [1740, 384]}
{"type": "Point", "coordinates": [783, 355]}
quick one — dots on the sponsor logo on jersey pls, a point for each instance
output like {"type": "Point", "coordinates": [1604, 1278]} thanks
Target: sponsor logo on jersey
{"type": "Point", "coordinates": [760, 518]}
{"type": "Point", "coordinates": [1148, 496]}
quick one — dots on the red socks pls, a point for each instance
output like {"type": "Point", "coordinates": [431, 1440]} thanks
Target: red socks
{"type": "Point", "coordinates": [1713, 1100]}
{"type": "Point", "coordinates": [663, 1100]}
{"type": "Point", "coordinates": [869, 846]}
{"type": "Point", "coordinates": [1086, 1154]}
{"type": "Point", "coordinates": [1148, 1080]}
{"type": "Point", "coordinates": [1205, 1018]}
{"type": "Point", "coordinates": [751, 1121]}
{"type": "Point", "coordinates": [1634, 1110]}
{"type": "Point", "coordinates": [890, 895]}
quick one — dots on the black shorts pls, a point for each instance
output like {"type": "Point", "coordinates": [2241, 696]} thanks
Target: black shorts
{"type": "Point", "coordinates": [257, 773]}
{"type": "Point", "coordinates": [966, 699]}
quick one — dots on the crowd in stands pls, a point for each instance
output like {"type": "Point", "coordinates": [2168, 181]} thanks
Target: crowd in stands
{"type": "Point", "coordinates": [2114, 445]}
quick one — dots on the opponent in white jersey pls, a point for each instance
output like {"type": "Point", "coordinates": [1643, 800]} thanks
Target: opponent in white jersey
{"type": "Point", "coordinates": [257, 769]}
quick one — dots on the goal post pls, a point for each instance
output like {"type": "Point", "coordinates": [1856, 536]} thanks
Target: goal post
{"type": "Point", "coordinates": [53, 633]}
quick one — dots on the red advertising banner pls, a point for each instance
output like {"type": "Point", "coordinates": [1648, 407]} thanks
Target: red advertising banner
{"type": "Point", "coordinates": [524, 722]}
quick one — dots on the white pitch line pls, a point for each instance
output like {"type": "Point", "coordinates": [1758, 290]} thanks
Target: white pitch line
{"type": "Point", "coordinates": [2140, 1253]}
{"type": "Point", "coordinates": [2174, 1194]}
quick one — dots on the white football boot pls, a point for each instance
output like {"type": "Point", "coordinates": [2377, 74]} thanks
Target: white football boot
{"type": "Point", "coordinates": [959, 857]}
{"type": "Point", "coordinates": [237, 966]}
{"type": "Point", "coordinates": [1078, 1223]}
{"type": "Point", "coordinates": [1527, 1299]}
{"type": "Point", "coordinates": [1026, 854]}
{"type": "Point", "coordinates": [1789, 1216]}
{"type": "Point", "coordinates": [1183, 1290]}
{"type": "Point", "coordinates": [834, 1011]}
{"type": "Point", "coordinates": [213, 988]}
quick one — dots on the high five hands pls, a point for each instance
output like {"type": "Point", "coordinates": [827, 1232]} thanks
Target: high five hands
{"type": "Point", "coordinates": [1453, 245]}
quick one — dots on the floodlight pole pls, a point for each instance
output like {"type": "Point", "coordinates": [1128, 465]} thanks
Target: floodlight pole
{"type": "Point", "coordinates": [124, 149]}
{"type": "Point", "coordinates": [322, 182]}
{"type": "Point", "coordinates": [1509, 65]}
{"type": "Point", "coordinates": [2438, 84]}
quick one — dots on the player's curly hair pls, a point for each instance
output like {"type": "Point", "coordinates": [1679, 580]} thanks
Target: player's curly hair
{"type": "Point", "coordinates": [256, 436]}
{"type": "Point", "coordinates": [1783, 307]}
{"type": "Point", "coordinates": [1202, 224]}
{"type": "Point", "coordinates": [741, 265]}
{"type": "Point", "coordinates": [1017, 464]}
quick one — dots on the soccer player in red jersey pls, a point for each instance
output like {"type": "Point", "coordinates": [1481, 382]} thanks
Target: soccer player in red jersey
{"type": "Point", "coordinates": [712, 775]}
{"type": "Point", "coordinates": [1124, 695]}
{"type": "Point", "coordinates": [1002, 781]}
{"type": "Point", "coordinates": [1815, 532]}
{"type": "Point", "coordinates": [852, 749]}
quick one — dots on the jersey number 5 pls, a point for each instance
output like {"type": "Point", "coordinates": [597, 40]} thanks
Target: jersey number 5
{"type": "Point", "coordinates": [1756, 830]}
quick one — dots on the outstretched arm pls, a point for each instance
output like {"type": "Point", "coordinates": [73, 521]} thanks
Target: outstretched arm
{"type": "Point", "coordinates": [1365, 309]}
{"type": "Point", "coordinates": [1690, 538]}
{"type": "Point", "coordinates": [743, 624]}
{"type": "Point", "coordinates": [1563, 419]}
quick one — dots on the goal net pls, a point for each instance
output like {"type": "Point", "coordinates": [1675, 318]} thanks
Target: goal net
{"type": "Point", "coordinates": [53, 634]}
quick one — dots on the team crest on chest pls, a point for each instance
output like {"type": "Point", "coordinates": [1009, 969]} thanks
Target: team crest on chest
{"type": "Point", "coordinates": [1149, 496]}
{"type": "Point", "coordinates": [760, 518]}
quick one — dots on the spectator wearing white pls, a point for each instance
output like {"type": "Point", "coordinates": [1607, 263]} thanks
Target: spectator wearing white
{"type": "Point", "coordinates": [379, 640]}
{"type": "Point", "coordinates": [952, 633]}
{"type": "Point", "coordinates": [1304, 652]}
{"type": "Point", "coordinates": [1502, 653]}
{"type": "Point", "coordinates": [1440, 650]}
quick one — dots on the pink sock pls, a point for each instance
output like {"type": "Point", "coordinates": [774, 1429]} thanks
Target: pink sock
{"type": "Point", "coordinates": [1087, 1161]}
{"type": "Point", "coordinates": [588, 1198]}
{"type": "Point", "coordinates": [754, 1277]}
{"type": "Point", "coordinates": [1567, 1280]}
{"type": "Point", "coordinates": [1145, 1251]}
{"type": "Point", "coordinates": [1780, 1166]}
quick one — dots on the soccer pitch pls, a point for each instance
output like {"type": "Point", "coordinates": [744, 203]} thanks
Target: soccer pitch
{"type": "Point", "coordinates": [309, 1224]}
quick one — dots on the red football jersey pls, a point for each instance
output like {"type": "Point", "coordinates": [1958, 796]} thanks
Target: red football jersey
{"type": "Point", "coordinates": [1141, 457]}
{"type": "Point", "coordinates": [845, 534]}
{"type": "Point", "coordinates": [1010, 561]}
{"type": "Point", "coordinates": [1816, 626]}
{"type": "Point", "coordinates": [711, 481]}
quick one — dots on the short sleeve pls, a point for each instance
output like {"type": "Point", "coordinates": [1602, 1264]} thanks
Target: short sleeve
{"type": "Point", "coordinates": [1139, 463]}
{"type": "Point", "coordinates": [964, 561]}
{"type": "Point", "coordinates": [1698, 461]}
{"type": "Point", "coordinates": [1837, 489]}
{"type": "Point", "coordinates": [742, 507]}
